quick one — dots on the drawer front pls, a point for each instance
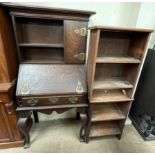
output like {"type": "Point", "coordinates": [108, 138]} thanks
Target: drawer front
{"type": "Point", "coordinates": [4, 97]}
{"type": "Point", "coordinates": [53, 100]}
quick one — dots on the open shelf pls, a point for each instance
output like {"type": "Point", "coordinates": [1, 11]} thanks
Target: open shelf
{"type": "Point", "coordinates": [114, 76]}
{"type": "Point", "coordinates": [41, 62]}
{"type": "Point", "coordinates": [117, 59]}
{"type": "Point", "coordinates": [56, 45]}
{"type": "Point", "coordinates": [42, 55]}
{"type": "Point", "coordinates": [102, 96]}
{"type": "Point", "coordinates": [104, 129]}
{"type": "Point", "coordinates": [106, 112]}
{"type": "Point", "coordinates": [120, 47]}
{"type": "Point", "coordinates": [39, 31]}
{"type": "Point", "coordinates": [112, 83]}
{"type": "Point", "coordinates": [40, 40]}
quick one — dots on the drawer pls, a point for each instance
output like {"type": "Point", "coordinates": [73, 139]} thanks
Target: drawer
{"type": "Point", "coordinates": [52, 100]}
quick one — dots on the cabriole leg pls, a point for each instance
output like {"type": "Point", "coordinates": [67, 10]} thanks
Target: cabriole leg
{"type": "Point", "coordinates": [24, 125]}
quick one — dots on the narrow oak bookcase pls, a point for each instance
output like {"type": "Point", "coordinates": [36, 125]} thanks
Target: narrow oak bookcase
{"type": "Point", "coordinates": [115, 60]}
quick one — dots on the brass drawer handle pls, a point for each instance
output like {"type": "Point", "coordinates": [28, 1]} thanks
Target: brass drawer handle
{"type": "Point", "coordinates": [81, 32]}
{"type": "Point", "coordinates": [53, 99]}
{"type": "Point", "coordinates": [73, 99]}
{"type": "Point", "coordinates": [32, 101]}
{"type": "Point", "coordinates": [79, 56]}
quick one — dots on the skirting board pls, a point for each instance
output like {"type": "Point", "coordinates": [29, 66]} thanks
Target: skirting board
{"type": "Point", "coordinates": [11, 144]}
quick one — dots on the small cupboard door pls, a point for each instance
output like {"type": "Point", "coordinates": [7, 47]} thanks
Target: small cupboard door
{"type": "Point", "coordinates": [4, 133]}
{"type": "Point", "coordinates": [75, 41]}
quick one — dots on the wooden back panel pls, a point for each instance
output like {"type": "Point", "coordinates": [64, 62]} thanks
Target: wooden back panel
{"type": "Point", "coordinates": [113, 43]}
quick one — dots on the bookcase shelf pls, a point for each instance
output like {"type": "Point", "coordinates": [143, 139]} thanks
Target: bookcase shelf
{"type": "Point", "coordinates": [106, 112]}
{"type": "Point", "coordinates": [40, 40]}
{"type": "Point", "coordinates": [39, 30]}
{"type": "Point", "coordinates": [111, 83]}
{"type": "Point", "coordinates": [104, 129]}
{"type": "Point", "coordinates": [114, 62]}
{"type": "Point", "coordinates": [42, 55]}
{"type": "Point", "coordinates": [117, 59]}
{"type": "Point", "coordinates": [100, 96]}
{"type": "Point", "coordinates": [56, 45]}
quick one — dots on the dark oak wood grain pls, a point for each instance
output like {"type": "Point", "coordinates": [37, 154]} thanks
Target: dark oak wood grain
{"type": "Point", "coordinates": [53, 79]}
{"type": "Point", "coordinates": [115, 60]}
{"type": "Point", "coordinates": [75, 43]}
{"type": "Point", "coordinates": [51, 47]}
{"type": "Point", "coordinates": [107, 111]}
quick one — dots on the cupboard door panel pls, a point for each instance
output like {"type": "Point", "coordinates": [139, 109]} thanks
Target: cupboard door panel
{"type": "Point", "coordinates": [75, 41]}
{"type": "Point", "coordinates": [4, 134]}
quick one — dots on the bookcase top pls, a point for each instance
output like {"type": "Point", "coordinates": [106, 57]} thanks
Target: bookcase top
{"type": "Point", "coordinates": [41, 8]}
{"type": "Point", "coordinates": [110, 28]}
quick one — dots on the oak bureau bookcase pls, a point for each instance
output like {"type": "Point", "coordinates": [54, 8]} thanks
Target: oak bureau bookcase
{"type": "Point", "coordinates": [51, 45]}
{"type": "Point", "coordinates": [115, 60]}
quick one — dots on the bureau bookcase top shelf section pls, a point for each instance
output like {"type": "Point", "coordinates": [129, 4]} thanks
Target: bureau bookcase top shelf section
{"type": "Point", "coordinates": [52, 40]}
{"type": "Point", "coordinates": [114, 62]}
{"type": "Point", "coordinates": [40, 40]}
